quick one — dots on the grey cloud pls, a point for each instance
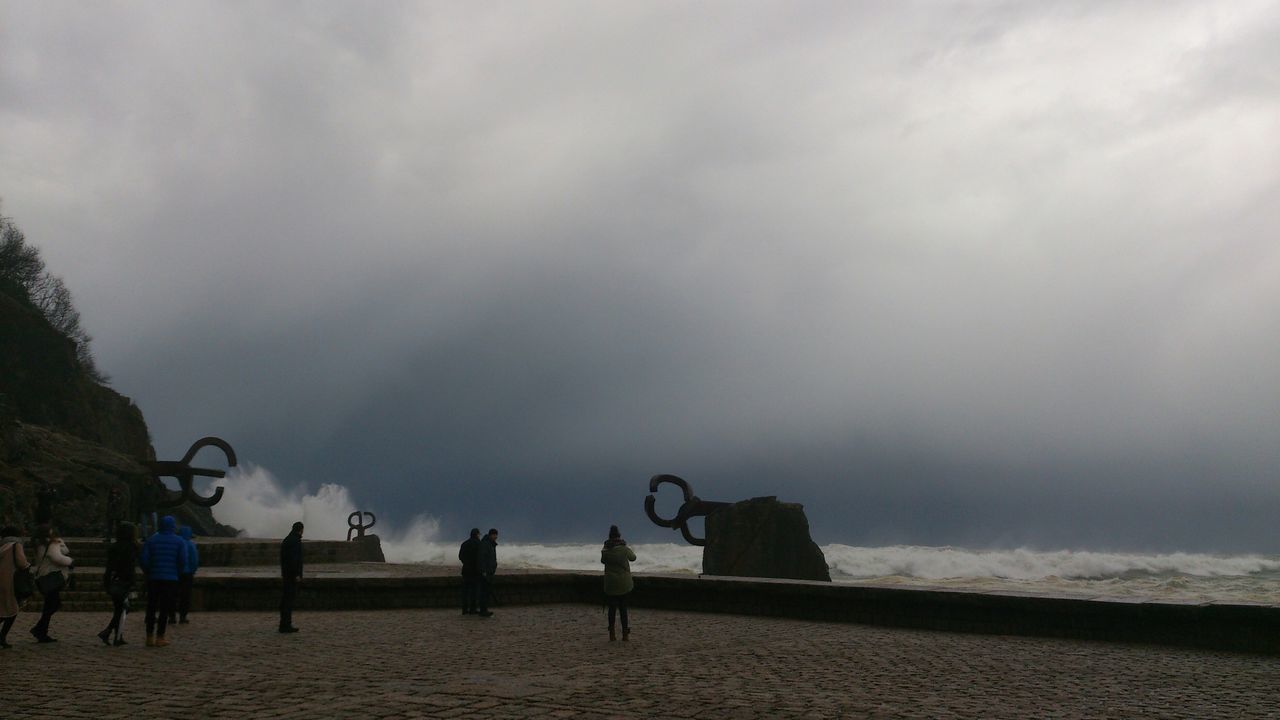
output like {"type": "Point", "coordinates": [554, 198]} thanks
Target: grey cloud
{"type": "Point", "coordinates": [946, 274]}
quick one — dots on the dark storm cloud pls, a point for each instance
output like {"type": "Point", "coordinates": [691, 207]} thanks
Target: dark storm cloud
{"type": "Point", "coordinates": [994, 274]}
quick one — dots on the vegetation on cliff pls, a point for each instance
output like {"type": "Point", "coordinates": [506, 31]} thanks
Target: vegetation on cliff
{"type": "Point", "coordinates": [24, 277]}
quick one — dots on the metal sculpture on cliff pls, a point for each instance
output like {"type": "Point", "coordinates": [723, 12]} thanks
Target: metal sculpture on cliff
{"type": "Point", "coordinates": [182, 470]}
{"type": "Point", "coordinates": [356, 524]}
{"type": "Point", "coordinates": [693, 506]}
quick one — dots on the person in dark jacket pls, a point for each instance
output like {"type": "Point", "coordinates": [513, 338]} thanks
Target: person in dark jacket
{"type": "Point", "coordinates": [122, 558]}
{"type": "Point", "coordinates": [148, 498]}
{"type": "Point", "coordinates": [469, 554]}
{"type": "Point", "coordinates": [291, 573]}
{"type": "Point", "coordinates": [115, 511]}
{"type": "Point", "coordinates": [187, 580]}
{"type": "Point", "coordinates": [164, 560]}
{"type": "Point", "coordinates": [617, 559]}
{"type": "Point", "coordinates": [487, 564]}
{"type": "Point", "coordinates": [46, 499]}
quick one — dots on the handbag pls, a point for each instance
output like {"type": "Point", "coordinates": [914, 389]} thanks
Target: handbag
{"type": "Point", "coordinates": [51, 583]}
{"type": "Point", "coordinates": [23, 585]}
{"type": "Point", "coordinates": [119, 589]}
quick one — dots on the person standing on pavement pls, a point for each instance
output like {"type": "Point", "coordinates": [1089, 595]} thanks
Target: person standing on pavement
{"type": "Point", "coordinates": [291, 573]}
{"type": "Point", "coordinates": [487, 560]}
{"type": "Point", "coordinates": [12, 559]}
{"type": "Point", "coordinates": [46, 499]}
{"type": "Point", "coordinates": [617, 559]}
{"type": "Point", "coordinates": [53, 567]}
{"type": "Point", "coordinates": [148, 497]}
{"type": "Point", "coordinates": [187, 578]}
{"type": "Point", "coordinates": [115, 508]}
{"type": "Point", "coordinates": [118, 578]}
{"type": "Point", "coordinates": [164, 560]}
{"type": "Point", "coordinates": [469, 554]}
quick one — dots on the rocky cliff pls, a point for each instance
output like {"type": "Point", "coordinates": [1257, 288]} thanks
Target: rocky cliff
{"type": "Point", "coordinates": [63, 432]}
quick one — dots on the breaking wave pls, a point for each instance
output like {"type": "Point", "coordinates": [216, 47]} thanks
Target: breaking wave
{"type": "Point", "coordinates": [650, 558]}
{"type": "Point", "coordinates": [258, 504]}
{"type": "Point", "coordinates": [940, 563]}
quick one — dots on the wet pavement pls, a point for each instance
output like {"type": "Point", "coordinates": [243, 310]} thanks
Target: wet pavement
{"type": "Point", "coordinates": [555, 661]}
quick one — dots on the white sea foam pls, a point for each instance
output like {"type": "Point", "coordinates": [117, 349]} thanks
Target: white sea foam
{"type": "Point", "coordinates": [939, 563]}
{"type": "Point", "coordinates": [650, 558]}
{"type": "Point", "coordinates": [261, 506]}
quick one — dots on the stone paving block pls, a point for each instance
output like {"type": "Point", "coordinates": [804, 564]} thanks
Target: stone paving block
{"type": "Point", "coordinates": [556, 661]}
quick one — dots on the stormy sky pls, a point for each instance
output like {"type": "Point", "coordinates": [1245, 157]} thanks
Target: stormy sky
{"type": "Point", "coordinates": [984, 274]}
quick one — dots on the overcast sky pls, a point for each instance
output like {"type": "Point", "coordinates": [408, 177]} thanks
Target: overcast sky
{"type": "Point", "coordinates": [983, 274]}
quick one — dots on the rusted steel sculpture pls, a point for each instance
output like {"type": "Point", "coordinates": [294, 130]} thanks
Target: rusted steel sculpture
{"type": "Point", "coordinates": [356, 522]}
{"type": "Point", "coordinates": [182, 470]}
{"type": "Point", "coordinates": [760, 537]}
{"type": "Point", "coordinates": [693, 506]}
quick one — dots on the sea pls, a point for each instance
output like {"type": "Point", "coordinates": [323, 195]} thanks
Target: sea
{"type": "Point", "coordinates": [1172, 577]}
{"type": "Point", "coordinates": [263, 506]}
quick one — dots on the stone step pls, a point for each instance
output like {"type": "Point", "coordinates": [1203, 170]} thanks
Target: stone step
{"type": "Point", "coordinates": [84, 599]}
{"type": "Point", "coordinates": [78, 595]}
{"type": "Point", "coordinates": [87, 606]}
{"type": "Point", "coordinates": [229, 552]}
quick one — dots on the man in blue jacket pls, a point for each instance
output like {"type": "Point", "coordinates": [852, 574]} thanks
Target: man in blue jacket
{"type": "Point", "coordinates": [164, 560]}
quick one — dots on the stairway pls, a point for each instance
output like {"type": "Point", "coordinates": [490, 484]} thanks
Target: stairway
{"type": "Point", "coordinates": [95, 600]}
{"type": "Point", "coordinates": [85, 592]}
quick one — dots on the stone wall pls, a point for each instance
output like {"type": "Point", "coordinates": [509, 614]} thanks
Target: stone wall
{"type": "Point", "coordinates": [1247, 628]}
{"type": "Point", "coordinates": [384, 593]}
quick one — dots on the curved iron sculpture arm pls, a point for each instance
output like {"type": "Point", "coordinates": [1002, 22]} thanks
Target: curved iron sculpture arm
{"type": "Point", "coordinates": [692, 507]}
{"type": "Point", "coordinates": [182, 470]}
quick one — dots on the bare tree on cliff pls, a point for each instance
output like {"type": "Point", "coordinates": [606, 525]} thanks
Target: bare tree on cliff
{"type": "Point", "coordinates": [23, 275]}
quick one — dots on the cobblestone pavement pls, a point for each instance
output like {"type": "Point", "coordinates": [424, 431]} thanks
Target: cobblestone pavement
{"type": "Point", "coordinates": [555, 661]}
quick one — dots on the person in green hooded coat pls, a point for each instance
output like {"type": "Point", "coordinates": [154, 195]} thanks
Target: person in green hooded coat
{"type": "Point", "coordinates": [617, 559]}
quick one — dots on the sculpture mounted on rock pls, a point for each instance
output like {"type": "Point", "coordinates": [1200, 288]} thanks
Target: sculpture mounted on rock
{"type": "Point", "coordinates": [182, 470]}
{"type": "Point", "coordinates": [760, 537]}
{"type": "Point", "coordinates": [356, 524]}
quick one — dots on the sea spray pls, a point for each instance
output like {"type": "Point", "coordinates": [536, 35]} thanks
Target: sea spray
{"type": "Point", "coordinates": [940, 563]}
{"type": "Point", "coordinates": [258, 504]}
{"type": "Point", "coordinates": [651, 558]}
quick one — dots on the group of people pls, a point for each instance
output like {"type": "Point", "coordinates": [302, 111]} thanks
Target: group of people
{"type": "Point", "coordinates": [479, 557]}
{"type": "Point", "coordinates": [168, 559]}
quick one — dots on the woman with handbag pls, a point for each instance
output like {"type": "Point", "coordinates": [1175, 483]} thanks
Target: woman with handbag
{"type": "Point", "coordinates": [13, 567]}
{"type": "Point", "coordinates": [52, 566]}
{"type": "Point", "coordinates": [122, 558]}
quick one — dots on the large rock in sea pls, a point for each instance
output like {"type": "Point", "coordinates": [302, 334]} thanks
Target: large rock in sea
{"type": "Point", "coordinates": [762, 537]}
